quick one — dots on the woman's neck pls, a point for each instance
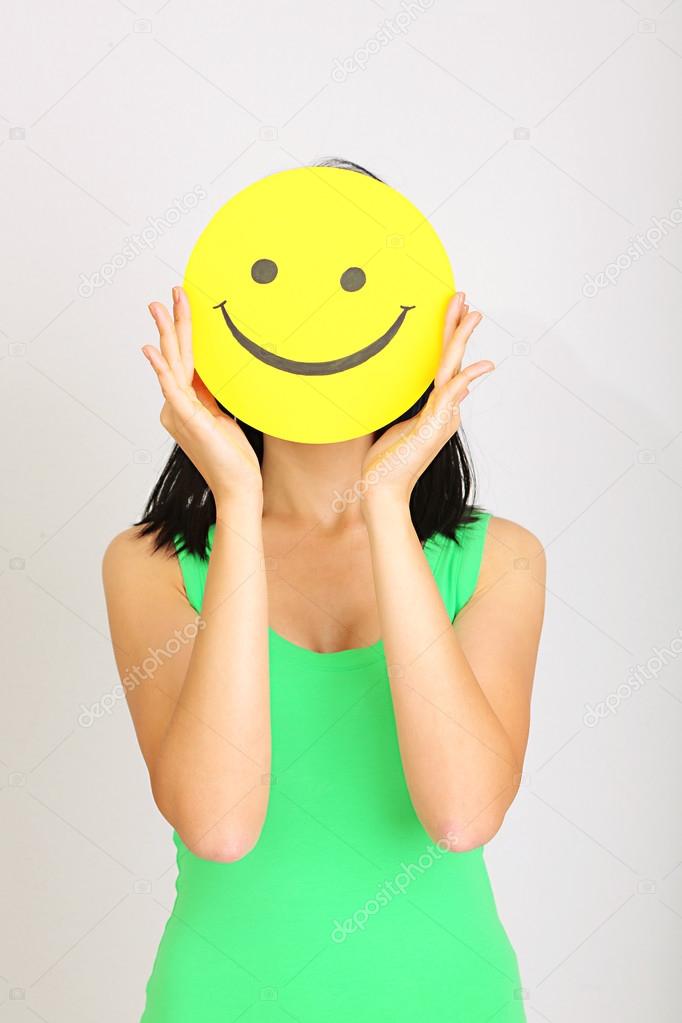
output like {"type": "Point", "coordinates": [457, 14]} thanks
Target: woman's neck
{"type": "Point", "coordinates": [311, 482]}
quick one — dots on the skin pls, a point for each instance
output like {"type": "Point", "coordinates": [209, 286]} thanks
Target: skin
{"type": "Point", "coordinates": [461, 692]}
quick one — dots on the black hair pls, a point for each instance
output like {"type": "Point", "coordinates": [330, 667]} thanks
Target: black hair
{"type": "Point", "coordinates": [181, 504]}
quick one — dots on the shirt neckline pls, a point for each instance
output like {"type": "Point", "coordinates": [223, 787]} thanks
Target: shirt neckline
{"type": "Point", "coordinates": [331, 660]}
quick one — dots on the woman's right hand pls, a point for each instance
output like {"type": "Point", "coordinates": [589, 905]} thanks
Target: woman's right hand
{"type": "Point", "coordinates": [211, 440]}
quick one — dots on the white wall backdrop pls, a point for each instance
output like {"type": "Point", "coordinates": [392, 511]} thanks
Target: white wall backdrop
{"type": "Point", "coordinates": [543, 140]}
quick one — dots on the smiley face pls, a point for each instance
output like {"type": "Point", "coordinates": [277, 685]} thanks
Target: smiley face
{"type": "Point", "coordinates": [317, 298]}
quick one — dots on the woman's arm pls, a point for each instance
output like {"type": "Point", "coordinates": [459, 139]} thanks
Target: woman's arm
{"type": "Point", "coordinates": [202, 715]}
{"type": "Point", "coordinates": [461, 693]}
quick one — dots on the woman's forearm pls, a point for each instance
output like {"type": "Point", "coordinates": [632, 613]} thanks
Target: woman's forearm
{"type": "Point", "coordinates": [211, 778]}
{"type": "Point", "coordinates": [458, 760]}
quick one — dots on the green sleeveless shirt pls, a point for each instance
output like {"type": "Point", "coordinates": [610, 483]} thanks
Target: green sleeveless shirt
{"type": "Point", "coordinates": [345, 911]}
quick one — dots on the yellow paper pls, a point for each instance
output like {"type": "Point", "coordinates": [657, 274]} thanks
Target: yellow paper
{"type": "Point", "coordinates": [317, 299]}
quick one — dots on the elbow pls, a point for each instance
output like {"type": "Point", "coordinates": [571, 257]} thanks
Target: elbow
{"type": "Point", "coordinates": [228, 848]}
{"type": "Point", "coordinates": [459, 837]}
{"type": "Point", "coordinates": [226, 842]}
{"type": "Point", "coordinates": [457, 827]}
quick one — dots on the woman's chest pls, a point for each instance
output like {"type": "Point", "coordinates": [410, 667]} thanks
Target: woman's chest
{"type": "Point", "coordinates": [321, 590]}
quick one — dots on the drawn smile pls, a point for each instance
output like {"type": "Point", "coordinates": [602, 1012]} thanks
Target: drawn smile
{"type": "Point", "coordinates": [314, 369]}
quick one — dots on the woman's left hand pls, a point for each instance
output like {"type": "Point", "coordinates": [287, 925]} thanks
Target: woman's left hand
{"type": "Point", "coordinates": [397, 459]}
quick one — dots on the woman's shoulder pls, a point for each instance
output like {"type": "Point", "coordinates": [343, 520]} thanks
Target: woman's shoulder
{"type": "Point", "coordinates": [518, 537]}
{"type": "Point", "coordinates": [130, 548]}
{"type": "Point", "coordinates": [510, 546]}
{"type": "Point", "coordinates": [131, 562]}
{"type": "Point", "coordinates": [496, 536]}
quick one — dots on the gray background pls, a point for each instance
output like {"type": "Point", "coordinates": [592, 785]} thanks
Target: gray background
{"type": "Point", "coordinates": [541, 137]}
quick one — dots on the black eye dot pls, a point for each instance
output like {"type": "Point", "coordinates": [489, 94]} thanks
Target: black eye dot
{"type": "Point", "coordinates": [264, 271]}
{"type": "Point", "coordinates": [353, 278]}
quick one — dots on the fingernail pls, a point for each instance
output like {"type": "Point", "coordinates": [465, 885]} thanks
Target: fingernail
{"type": "Point", "coordinates": [176, 296]}
{"type": "Point", "coordinates": [152, 310]}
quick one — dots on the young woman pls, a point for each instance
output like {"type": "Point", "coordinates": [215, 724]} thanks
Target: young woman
{"type": "Point", "coordinates": [343, 728]}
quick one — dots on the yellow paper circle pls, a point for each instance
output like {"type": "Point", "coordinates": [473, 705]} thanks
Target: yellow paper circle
{"type": "Point", "coordinates": [317, 297]}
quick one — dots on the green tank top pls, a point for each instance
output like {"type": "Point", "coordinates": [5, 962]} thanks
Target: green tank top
{"type": "Point", "coordinates": [345, 911]}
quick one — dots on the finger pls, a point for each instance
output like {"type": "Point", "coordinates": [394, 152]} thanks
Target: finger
{"type": "Point", "coordinates": [452, 317]}
{"type": "Point", "coordinates": [452, 359]}
{"type": "Point", "coordinates": [476, 370]}
{"type": "Point", "coordinates": [460, 384]}
{"type": "Point", "coordinates": [168, 338]}
{"type": "Point", "coordinates": [177, 398]}
{"type": "Point", "coordinates": [183, 329]}
{"type": "Point", "coordinates": [451, 396]}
